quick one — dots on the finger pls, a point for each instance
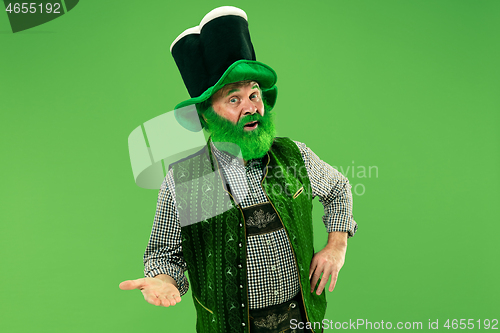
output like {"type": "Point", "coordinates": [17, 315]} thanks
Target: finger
{"type": "Point", "coordinates": [322, 284]}
{"type": "Point", "coordinates": [175, 297]}
{"type": "Point", "coordinates": [333, 282]}
{"type": "Point", "coordinates": [315, 277]}
{"type": "Point", "coordinates": [164, 301]}
{"type": "Point", "coordinates": [152, 299]}
{"type": "Point", "coordinates": [172, 301]}
{"type": "Point", "coordinates": [131, 284]}
{"type": "Point", "coordinates": [313, 266]}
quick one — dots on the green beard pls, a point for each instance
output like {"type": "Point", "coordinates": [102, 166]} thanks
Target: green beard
{"type": "Point", "coordinates": [233, 138]}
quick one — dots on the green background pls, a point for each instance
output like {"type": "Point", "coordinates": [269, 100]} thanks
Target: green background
{"type": "Point", "coordinates": [411, 87]}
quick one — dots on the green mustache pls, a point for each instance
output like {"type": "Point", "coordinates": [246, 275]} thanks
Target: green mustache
{"type": "Point", "coordinates": [253, 144]}
{"type": "Point", "coordinates": [216, 121]}
{"type": "Point", "coordinates": [247, 119]}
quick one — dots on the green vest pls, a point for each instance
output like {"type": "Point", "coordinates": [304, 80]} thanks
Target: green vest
{"type": "Point", "coordinates": [214, 234]}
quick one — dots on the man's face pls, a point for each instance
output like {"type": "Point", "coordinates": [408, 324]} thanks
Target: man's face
{"type": "Point", "coordinates": [234, 102]}
{"type": "Point", "coordinates": [237, 121]}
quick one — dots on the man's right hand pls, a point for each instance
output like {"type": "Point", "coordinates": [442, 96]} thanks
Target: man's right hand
{"type": "Point", "coordinates": [160, 290]}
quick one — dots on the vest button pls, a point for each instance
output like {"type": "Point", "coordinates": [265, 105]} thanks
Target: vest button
{"type": "Point", "coordinates": [241, 225]}
{"type": "Point", "coordinates": [243, 324]}
{"type": "Point", "coordinates": [239, 266]}
{"type": "Point", "coordinates": [242, 305]}
{"type": "Point", "coordinates": [240, 245]}
{"type": "Point", "coordinates": [241, 286]}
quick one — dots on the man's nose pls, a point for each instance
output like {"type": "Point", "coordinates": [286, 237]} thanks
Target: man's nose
{"type": "Point", "coordinates": [249, 107]}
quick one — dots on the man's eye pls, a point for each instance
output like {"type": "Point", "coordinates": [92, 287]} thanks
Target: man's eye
{"type": "Point", "coordinates": [253, 96]}
{"type": "Point", "coordinates": [233, 100]}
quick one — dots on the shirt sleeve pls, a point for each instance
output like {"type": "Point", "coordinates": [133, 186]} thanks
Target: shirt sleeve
{"type": "Point", "coordinates": [333, 190]}
{"type": "Point", "coordinates": [163, 254]}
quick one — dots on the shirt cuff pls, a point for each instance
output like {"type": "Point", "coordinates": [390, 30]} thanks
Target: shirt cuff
{"type": "Point", "coordinates": [176, 274]}
{"type": "Point", "coordinates": [342, 225]}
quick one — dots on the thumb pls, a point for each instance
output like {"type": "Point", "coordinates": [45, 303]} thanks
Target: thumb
{"type": "Point", "coordinates": [132, 284]}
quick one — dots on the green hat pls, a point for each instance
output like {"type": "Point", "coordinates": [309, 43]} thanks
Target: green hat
{"type": "Point", "coordinates": [215, 53]}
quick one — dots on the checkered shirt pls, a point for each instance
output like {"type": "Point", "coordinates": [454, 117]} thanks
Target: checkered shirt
{"type": "Point", "coordinates": [272, 273]}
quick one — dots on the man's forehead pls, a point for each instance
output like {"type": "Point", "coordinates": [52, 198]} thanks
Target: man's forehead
{"type": "Point", "coordinates": [254, 86]}
{"type": "Point", "coordinates": [236, 86]}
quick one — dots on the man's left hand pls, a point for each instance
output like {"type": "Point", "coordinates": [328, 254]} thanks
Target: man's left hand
{"type": "Point", "coordinates": [328, 261]}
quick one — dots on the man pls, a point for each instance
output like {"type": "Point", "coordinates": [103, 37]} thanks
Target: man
{"type": "Point", "coordinates": [237, 214]}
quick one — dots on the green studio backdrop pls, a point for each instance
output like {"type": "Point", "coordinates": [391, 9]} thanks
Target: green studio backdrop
{"type": "Point", "coordinates": [405, 90]}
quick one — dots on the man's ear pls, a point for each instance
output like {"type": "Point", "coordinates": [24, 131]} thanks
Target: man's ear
{"type": "Point", "coordinates": [203, 121]}
{"type": "Point", "coordinates": [202, 108]}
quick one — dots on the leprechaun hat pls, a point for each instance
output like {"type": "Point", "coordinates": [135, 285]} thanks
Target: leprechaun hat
{"type": "Point", "coordinates": [215, 53]}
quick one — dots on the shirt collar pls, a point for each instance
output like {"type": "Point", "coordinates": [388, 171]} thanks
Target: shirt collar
{"type": "Point", "coordinates": [226, 159]}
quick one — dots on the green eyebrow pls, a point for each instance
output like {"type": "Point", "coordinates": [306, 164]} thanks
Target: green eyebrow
{"type": "Point", "coordinates": [232, 91]}
{"type": "Point", "coordinates": [235, 90]}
